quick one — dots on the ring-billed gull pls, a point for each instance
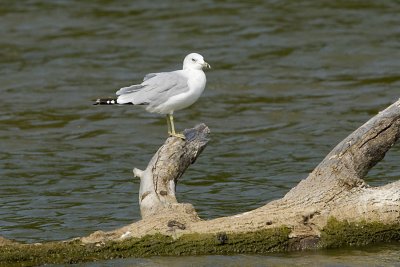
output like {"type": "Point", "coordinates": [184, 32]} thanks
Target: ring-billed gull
{"type": "Point", "coordinates": [166, 92]}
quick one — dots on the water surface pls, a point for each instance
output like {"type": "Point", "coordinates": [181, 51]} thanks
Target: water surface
{"type": "Point", "coordinates": [379, 255]}
{"type": "Point", "coordinates": [290, 79]}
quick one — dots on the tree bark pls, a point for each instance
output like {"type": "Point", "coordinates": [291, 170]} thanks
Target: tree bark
{"type": "Point", "coordinates": [333, 195]}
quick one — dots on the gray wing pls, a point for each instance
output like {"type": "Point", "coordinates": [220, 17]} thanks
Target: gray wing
{"type": "Point", "coordinates": [150, 75]}
{"type": "Point", "coordinates": [135, 87]}
{"type": "Point", "coordinates": [155, 89]}
{"type": "Point", "coordinates": [129, 89]}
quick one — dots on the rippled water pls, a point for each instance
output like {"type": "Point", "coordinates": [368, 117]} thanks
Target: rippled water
{"type": "Point", "coordinates": [290, 79]}
{"type": "Point", "coordinates": [381, 255]}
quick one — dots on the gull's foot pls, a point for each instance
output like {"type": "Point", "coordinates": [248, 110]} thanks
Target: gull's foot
{"type": "Point", "coordinates": [179, 135]}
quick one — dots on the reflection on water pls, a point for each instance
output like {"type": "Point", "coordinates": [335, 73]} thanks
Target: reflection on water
{"type": "Point", "coordinates": [290, 79]}
{"type": "Point", "coordinates": [379, 255]}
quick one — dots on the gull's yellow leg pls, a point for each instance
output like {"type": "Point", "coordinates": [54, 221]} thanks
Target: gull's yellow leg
{"type": "Point", "coordinates": [173, 133]}
{"type": "Point", "coordinates": [169, 125]}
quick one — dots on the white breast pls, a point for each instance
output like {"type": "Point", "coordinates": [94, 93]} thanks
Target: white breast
{"type": "Point", "coordinates": [196, 84]}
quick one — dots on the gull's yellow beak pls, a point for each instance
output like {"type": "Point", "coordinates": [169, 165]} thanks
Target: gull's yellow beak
{"type": "Point", "coordinates": [206, 65]}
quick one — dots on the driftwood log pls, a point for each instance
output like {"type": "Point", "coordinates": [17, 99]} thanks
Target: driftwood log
{"type": "Point", "coordinates": [332, 207]}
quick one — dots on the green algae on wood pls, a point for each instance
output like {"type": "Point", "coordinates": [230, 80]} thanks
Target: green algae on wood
{"type": "Point", "coordinates": [335, 234]}
{"type": "Point", "coordinates": [263, 241]}
{"type": "Point", "coordinates": [343, 233]}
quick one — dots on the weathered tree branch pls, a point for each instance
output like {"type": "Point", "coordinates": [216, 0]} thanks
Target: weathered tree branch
{"type": "Point", "coordinates": [334, 189]}
{"type": "Point", "coordinates": [158, 181]}
{"type": "Point", "coordinates": [333, 199]}
{"type": "Point", "coordinates": [345, 166]}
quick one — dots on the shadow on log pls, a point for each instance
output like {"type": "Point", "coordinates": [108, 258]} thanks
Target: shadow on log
{"type": "Point", "coordinates": [332, 207]}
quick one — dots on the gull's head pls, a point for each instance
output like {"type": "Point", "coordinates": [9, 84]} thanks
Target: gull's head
{"type": "Point", "coordinates": [195, 61]}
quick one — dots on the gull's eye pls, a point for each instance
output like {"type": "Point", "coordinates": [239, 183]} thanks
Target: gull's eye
{"type": "Point", "coordinates": [194, 60]}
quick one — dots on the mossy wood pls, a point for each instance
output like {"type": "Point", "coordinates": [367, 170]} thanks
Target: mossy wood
{"type": "Point", "coordinates": [332, 207]}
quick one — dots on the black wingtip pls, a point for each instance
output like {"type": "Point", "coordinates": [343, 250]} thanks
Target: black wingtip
{"type": "Point", "coordinates": [105, 101]}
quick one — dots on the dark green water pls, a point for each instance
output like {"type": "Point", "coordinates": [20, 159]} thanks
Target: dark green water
{"type": "Point", "coordinates": [383, 255]}
{"type": "Point", "coordinates": [290, 79]}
